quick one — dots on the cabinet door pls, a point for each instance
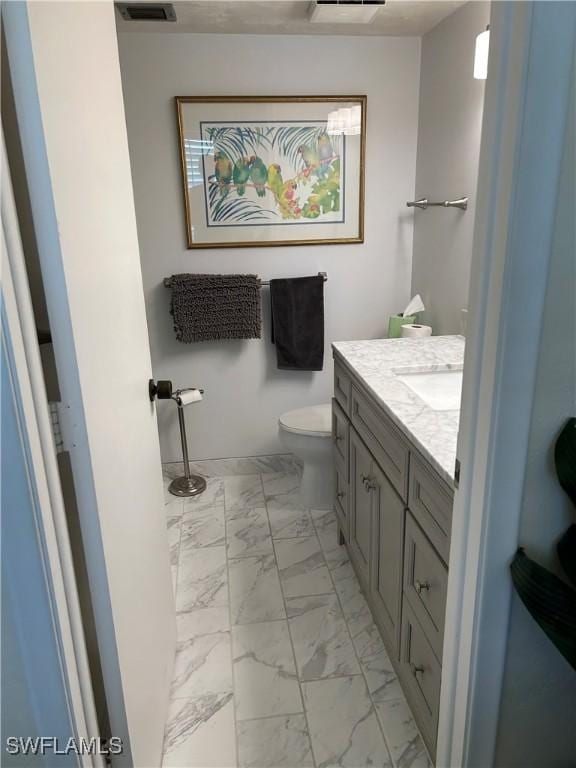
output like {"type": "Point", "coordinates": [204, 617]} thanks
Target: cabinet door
{"type": "Point", "coordinates": [420, 674]}
{"type": "Point", "coordinates": [360, 511]}
{"type": "Point", "coordinates": [341, 502]}
{"type": "Point", "coordinates": [341, 438]}
{"type": "Point", "coordinates": [386, 581]}
{"type": "Point", "coordinates": [425, 583]}
{"type": "Point", "coordinates": [342, 387]}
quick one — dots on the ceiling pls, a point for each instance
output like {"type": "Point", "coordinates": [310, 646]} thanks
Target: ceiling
{"type": "Point", "coordinates": [290, 17]}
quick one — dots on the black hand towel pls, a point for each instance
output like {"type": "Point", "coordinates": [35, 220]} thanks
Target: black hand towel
{"type": "Point", "coordinates": [298, 322]}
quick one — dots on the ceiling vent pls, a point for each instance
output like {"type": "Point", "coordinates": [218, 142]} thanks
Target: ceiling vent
{"type": "Point", "coordinates": [344, 11]}
{"type": "Point", "coordinates": [147, 11]}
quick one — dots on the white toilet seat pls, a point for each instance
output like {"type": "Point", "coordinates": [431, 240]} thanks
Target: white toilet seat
{"type": "Point", "coordinates": [306, 433]}
{"type": "Point", "coordinates": [314, 421]}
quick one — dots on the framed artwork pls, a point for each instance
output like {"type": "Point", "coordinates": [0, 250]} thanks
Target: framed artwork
{"type": "Point", "coordinates": [262, 171]}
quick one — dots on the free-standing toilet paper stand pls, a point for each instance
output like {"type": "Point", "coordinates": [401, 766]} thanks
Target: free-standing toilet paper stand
{"type": "Point", "coordinates": [188, 484]}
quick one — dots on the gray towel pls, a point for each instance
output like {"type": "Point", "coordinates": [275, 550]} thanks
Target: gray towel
{"type": "Point", "coordinates": [210, 307]}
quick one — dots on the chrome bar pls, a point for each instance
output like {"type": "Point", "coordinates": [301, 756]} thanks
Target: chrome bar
{"type": "Point", "coordinates": [167, 280]}
{"type": "Point", "coordinates": [185, 459]}
{"type": "Point", "coordinates": [423, 203]}
{"type": "Point", "coordinates": [188, 484]}
{"type": "Point", "coordinates": [320, 274]}
{"type": "Point", "coordinates": [461, 203]}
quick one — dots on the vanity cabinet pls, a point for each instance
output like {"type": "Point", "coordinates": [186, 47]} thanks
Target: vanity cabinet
{"type": "Point", "coordinates": [384, 441]}
{"type": "Point", "coordinates": [341, 504]}
{"type": "Point", "coordinates": [431, 503]}
{"type": "Point", "coordinates": [341, 440]}
{"type": "Point", "coordinates": [360, 509]}
{"type": "Point", "coordinates": [342, 388]}
{"type": "Point", "coordinates": [425, 583]}
{"type": "Point", "coordinates": [394, 513]}
{"type": "Point", "coordinates": [387, 556]}
{"type": "Point", "coordinates": [340, 437]}
{"type": "Point", "coordinates": [420, 674]}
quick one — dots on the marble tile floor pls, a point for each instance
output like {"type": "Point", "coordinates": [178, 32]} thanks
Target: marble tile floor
{"type": "Point", "coordinates": [279, 663]}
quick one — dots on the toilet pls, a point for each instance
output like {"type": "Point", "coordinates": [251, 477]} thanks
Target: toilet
{"type": "Point", "coordinates": [307, 432]}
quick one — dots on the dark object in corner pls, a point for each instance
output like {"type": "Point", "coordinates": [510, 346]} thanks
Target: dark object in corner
{"type": "Point", "coordinates": [44, 337]}
{"type": "Point", "coordinates": [550, 601]}
{"type": "Point", "coordinates": [298, 322]}
{"type": "Point", "coordinates": [214, 307]}
{"type": "Point", "coordinates": [566, 549]}
{"type": "Point", "coordinates": [565, 459]}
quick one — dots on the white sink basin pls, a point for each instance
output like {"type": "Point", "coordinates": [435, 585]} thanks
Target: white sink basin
{"type": "Point", "coordinates": [441, 390]}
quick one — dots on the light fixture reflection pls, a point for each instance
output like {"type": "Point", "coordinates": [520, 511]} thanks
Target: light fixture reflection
{"type": "Point", "coordinates": [346, 120]}
{"type": "Point", "coordinates": [481, 55]}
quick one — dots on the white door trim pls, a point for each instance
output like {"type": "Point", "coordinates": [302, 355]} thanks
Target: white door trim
{"type": "Point", "coordinates": [527, 98]}
{"type": "Point", "coordinates": [52, 527]}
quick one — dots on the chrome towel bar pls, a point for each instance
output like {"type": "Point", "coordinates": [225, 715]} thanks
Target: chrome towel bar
{"type": "Point", "coordinates": [167, 280]}
{"type": "Point", "coordinates": [423, 203]}
{"type": "Point", "coordinates": [320, 274]}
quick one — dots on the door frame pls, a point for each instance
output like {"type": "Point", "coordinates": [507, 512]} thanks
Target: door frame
{"type": "Point", "coordinates": [36, 436]}
{"type": "Point", "coordinates": [88, 251]}
{"type": "Point", "coordinates": [526, 104]}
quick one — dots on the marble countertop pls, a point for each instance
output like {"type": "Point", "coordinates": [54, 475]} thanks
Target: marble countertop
{"type": "Point", "coordinates": [434, 433]}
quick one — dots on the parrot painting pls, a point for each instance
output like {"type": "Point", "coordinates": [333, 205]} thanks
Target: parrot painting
{"type": "Point", "coordinates": [287, 200]}
{"type": "Point", "coordinates": [223, 172]}
{"type": "Point", "coordinates": [311, 209]}
{"type": "Point", "coordinates": [310, 157]}
{"type": "Point", "coordinates": [241, 174]}
{"type": "Point", "coordinates": [325, 148]}
{"type": "Point", "coordinates": [325, 153]}
{"type": "Point", "coordinates": [284, 193]}
{"type": "Point", "coordinates": [275, 179]}
{"type": "Point", "coordinates": [259, 175]}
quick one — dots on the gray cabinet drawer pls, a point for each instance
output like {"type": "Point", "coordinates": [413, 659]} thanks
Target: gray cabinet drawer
{"type": "Point", "coordinates": [420, 673]}
{"type": "Point", "coordinates": [360, 536]}
{"type": "Point", "coordinates": [383, 439]}
{"type": "Point", "coordinates": [425, 582]}
{"type": "Point", "coordinates": [386, 577]}
{"type": "Point", "coordinates": [430, 502]}
{"type": "Point", "coordinates": [342, 387]}
{"type": "Point", "coordinates": [341, 502]}
{"type": "Point", "coordinates": [340, 437]}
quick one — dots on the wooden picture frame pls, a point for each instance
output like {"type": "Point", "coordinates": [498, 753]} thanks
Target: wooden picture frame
{"type": "Point", "coordinates": [262, 171]}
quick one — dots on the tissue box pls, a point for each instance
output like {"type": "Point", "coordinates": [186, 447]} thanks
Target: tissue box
{"type": "Point", "coordinates": [396, 322]}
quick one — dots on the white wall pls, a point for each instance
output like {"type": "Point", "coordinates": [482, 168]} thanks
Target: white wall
{"type": "Point", "coordinates": [449, 125]}
{"type": "Point", "coordinates": [538, 712]}
{"type": "Point", "coordinates": [245, 393]}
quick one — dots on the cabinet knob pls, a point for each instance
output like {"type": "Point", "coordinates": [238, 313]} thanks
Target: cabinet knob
{"type": "Point", "coordinates": [369, 483]}
{"type": "Point", "coordinates": [340, 495]}
{"type": "Point", "coordinates": [416, 670]}
{"type": "Point", "coordinates": [337, 438]}
{"type": "Point", "coordinates": [421, 585]}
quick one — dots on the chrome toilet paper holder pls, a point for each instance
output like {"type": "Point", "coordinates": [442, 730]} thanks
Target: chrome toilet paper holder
{"type": "Point", "coordinates": [188, 484]}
